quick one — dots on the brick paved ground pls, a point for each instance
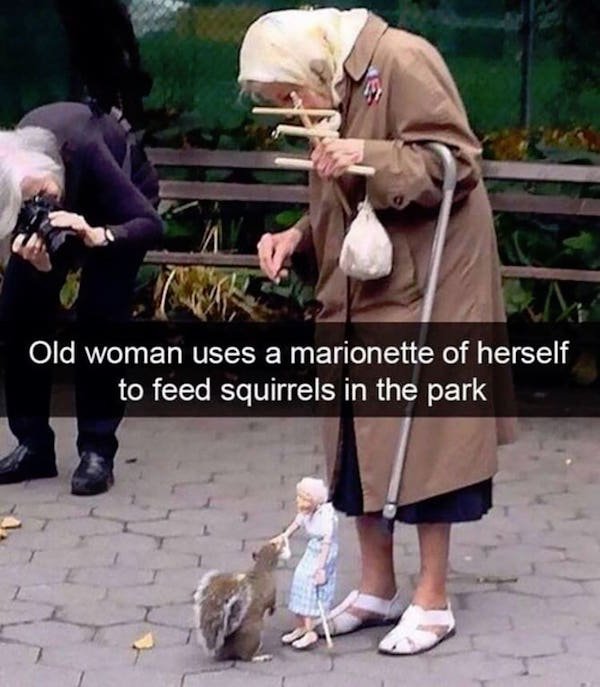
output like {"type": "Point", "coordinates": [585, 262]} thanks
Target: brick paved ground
{"type": "Point", "coordinates": [85, 577]}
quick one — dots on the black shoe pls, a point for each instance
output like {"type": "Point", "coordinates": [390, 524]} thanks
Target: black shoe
{"type": "Point", "coordinates": [23, 464]}
{"type": "Point", "coordinates": [94, 475]}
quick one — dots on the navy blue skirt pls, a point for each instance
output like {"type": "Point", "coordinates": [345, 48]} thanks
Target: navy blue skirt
{"type": "Point", "coordinates": [461, 505]}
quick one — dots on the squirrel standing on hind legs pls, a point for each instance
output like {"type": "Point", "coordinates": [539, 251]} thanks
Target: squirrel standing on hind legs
{"type": "Point", "coordinates": [229, 608]}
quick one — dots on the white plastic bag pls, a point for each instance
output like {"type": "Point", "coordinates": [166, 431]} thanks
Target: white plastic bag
{"type": "Point", "coordinates": [367, 250]}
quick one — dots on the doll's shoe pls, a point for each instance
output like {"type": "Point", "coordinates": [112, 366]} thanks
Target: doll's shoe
{"type": "Point", "coordinates": [418, 631]}
{"type": "Point", "coordinates": [307, 640]}
{"type": "Point", "coordinates": [291, 637]}
{"type": "Point", "coordinates": [374, 610]}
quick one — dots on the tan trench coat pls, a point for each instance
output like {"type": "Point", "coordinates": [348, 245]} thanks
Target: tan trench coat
{"type": "Point", "coordinates": [419, 103]}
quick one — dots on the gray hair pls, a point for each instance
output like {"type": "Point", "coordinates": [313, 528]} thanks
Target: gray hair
{"type": "Point", "coordinates": [315, 488]}
{"type": "Point", "coordinates": [27, 152]}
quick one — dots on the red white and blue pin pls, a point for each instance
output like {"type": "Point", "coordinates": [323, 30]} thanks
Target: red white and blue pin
{"type": "Point", "coordinates": [373, 90]}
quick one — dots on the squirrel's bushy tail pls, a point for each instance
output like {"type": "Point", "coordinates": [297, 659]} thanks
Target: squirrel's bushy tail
{"type": "Point", "coordinates": [221, 602]}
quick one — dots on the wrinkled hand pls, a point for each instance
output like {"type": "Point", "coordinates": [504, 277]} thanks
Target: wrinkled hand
{"type": "Point", "coordinates": [319, 577]}
{"type": "Point", "coordinates": [92, 236]}
{"type": "Point", "coordinates": [33, 250]}
{"type": "Point", "coordinates": [333, 156]}
{"type": "Point", "coordinates": [274, 249]}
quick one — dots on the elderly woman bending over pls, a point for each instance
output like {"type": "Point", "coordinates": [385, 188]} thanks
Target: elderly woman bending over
{"type": "Point", "coordinates": [394, 93]}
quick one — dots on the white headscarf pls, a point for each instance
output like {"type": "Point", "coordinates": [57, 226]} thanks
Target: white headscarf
{"type": "Point", "coordinates": [303, 47]}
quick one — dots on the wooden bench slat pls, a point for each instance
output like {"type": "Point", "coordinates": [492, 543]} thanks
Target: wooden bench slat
{"type": "Point", "coordinates": [207, 190]}
{"type": "Point", "coordinates": [545, 205]}
{"type": "Point", "coordinates": [550, 273]}
{"type": "Point", "coordinates": [536, 171]}
{"type": "Point", "coordinates": [205, 258]}
{"type": "Point", "coordinates": [251, 262]}
{"type": "Point", "coordinates": [199, 157]}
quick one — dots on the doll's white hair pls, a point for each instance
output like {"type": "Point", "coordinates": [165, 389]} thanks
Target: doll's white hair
{"type": "Point", "coordinates": [315, 488]}
{"type": "Point", "coordinates": [28, 152]}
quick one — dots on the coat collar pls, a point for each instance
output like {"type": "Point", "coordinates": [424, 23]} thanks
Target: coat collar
{"type": "Point", "coordinates": [362, 53]}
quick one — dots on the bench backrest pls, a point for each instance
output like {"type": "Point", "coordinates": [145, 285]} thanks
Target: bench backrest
{"type": "Point", "coordinates": [519, 201]}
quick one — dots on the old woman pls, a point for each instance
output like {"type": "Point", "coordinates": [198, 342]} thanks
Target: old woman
{"type": "Point", "coordinates": [394, 93]}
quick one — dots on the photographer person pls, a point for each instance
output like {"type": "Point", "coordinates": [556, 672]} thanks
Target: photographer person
{"type": "Point", "coordinates": [88, 163]}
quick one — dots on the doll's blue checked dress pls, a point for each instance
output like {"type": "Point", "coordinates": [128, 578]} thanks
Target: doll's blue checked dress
{"type": "Point", "coordinates": [322, 525]}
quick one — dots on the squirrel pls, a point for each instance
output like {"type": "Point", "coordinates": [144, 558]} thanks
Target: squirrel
{"type": "Point", "coordinates": [229, 608]}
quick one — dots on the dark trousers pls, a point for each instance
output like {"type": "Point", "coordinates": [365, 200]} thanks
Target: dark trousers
{"type": "Point", "coordinates": [29, 306]}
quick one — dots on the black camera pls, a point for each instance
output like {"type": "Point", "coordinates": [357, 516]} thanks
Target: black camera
{"type": "Point", "coordinates": [34, 219]}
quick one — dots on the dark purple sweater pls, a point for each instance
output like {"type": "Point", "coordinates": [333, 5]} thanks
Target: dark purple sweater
{"type": "Point", "coordinates": [93, 148]}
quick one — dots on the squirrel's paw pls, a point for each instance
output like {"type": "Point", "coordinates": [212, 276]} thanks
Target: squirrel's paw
{"type": "Point", "coordinates": [262, 658]}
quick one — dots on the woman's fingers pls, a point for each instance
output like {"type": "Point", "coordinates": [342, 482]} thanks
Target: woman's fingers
{"type": "Point", "coordinates": [265, 254]}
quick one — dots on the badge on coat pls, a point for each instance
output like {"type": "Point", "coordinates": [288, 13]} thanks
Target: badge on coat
{"type": "Point", "coordinates": [372, 90]}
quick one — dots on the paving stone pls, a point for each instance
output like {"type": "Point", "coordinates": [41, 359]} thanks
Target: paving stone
{"type": "Point", "coordinates": [583, 645]}
{"type": "Point", "coordinates": [124, 634]}
{"type": "Point", "coordinates": [183, 578]}
{"type": "Point", "coordinates": [570, 570]}
{"type": "Point", "coordinates": [88, 656]}
{"type": "Point", "coordinates": [128, 512]}
{"type": "Point", "coordinates": [30, 574]}
{"type": "Point", "coordinates": [124, 541]}
{"type": "Point", "coordinates": [232, 677]}
{"type": "Point", "coordinates": [62, 593]}
{"type": "Point", "coordinates": [150, 595]}
{"type": "Point", "coordinates": [47, 633]}
{"type": "Point", "coordinates": [156, 560]}
{"type": "Point", "coordinates": [332, 679]}
{"type": "Point", "coordinates": [130, 677]}
{"type": "Point", "coordinates": [584, 606]}
{"type": "Point", "coordinates": [14, 556]}
{"type": "Point", "coordinates": [378, 667]}
{"type": "Point", "coordinates": [201, 546]}
{"type": "Point", "coordinates": [18, 654]}
{"type": "Point", "coordinates": [32, 676]}
{"type": "Point", "coordinates": [474, 665]}
{"type": "Point", "coordinates": [53, 511]}
{"type": "Point", "coordinates": [23, 612]}
{"type": "Point", "coordinates": [574, 670]}
{"type": "Point", "coordinates": [168, 528]}
{"type": "Point", "coordinates": [112, 576]}
{"type": "Point", "coordinates": [101, 613]}
{"type": "Point", "coordinates": [505, 603]}
{"type": "Point", "coordinates": [175, 615]}
{"type": "Point", "coordinates": [518, 644]}
{"type": "Point", "coordinates": [83, 526]}
{"type": "Point", "coordinates": [536, 681]}
{"type": "Point", "coordinates": [74, 558]}
{"type": "Point", "coordinates": [7, 592]}
{"type": "Point", "coordinates": [43, 541]}
{"type": "Point", "coordinates": [183, 659]}
{"type": "Point", "coordinates": [537, 585]}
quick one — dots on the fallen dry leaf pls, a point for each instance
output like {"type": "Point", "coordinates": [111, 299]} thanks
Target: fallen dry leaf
{"type": "Point", "coordinates": [9, 523]}
{"type": "Point", "coordinates": [145, 642]}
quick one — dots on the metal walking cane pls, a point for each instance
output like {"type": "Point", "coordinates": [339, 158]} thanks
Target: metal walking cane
{"type": "Point", "coordinates": [437, 247]}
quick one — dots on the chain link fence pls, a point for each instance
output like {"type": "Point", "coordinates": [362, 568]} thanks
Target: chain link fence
{"type": "Point", "coordinates": [190, 47]}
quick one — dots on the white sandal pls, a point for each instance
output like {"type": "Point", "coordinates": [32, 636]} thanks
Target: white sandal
{"type": "Point", "coordinates": [410, 637]}
{"type": "Point", "coordinates": [308, 640]}
{"type": "Point", "coordinates": [342, 621]}
{"type": "Point", "coordinates": [293, 635]}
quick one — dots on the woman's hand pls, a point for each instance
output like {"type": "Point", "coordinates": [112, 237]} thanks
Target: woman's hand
{"type": "Point", "coordinates": [333, 156]}
{"type": "Point", "coordinates": [92, 236]}
{"type": "Point", "coordinates": [319, 577]}
{"type": "Point", "coordinates": [33, 250]}
{"type": "Point", "coordinates": [274, 249]}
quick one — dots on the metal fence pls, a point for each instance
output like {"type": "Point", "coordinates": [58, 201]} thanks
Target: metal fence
{"type": "Point", "coordinates": [190, 47]}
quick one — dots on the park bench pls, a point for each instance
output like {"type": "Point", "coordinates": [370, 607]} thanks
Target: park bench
{"type": "Point", "coordinates": [495, 173]}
